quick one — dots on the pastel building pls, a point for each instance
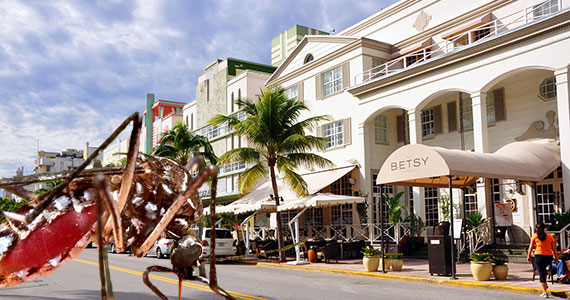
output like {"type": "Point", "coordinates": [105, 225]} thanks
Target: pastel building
{"type": "Point", "coordinates": [463, 75]}
{"type": "Point", "coordinates": [160, 116]}
{"type": "Point", "coordinates": [219, 87]}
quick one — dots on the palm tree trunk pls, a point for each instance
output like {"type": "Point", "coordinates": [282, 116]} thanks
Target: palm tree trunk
{"type": "Point", "coordinates": [279, 228]}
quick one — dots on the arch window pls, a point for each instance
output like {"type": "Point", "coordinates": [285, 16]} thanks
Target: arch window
{"type": "Point", "coordinates": [308, 58]}
{"type": "Point", "coordinates": [547, 89]}
{"type": "Point", "coordinates": [380, 129]}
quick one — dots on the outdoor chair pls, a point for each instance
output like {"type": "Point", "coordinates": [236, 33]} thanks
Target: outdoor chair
{"type": "Point", "coordinates": [330, 251]}
{"type": "Point", "coordinates": [549, 270]}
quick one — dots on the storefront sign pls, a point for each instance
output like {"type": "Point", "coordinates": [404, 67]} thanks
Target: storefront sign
{"type": "Point", "coordinates": [411, 163]}
{"type": "Point", "coordinates": [503, 214]}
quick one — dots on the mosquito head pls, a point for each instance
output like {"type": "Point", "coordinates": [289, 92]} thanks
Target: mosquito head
{"type": "Point", "coordinates": [185, 253]}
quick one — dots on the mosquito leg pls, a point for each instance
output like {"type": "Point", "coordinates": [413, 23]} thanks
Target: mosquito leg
{"type": "Point", "coordinates": [152, 286]}
{"type": "Point", "coordinates": [104, 197]}
{"type": "Point", "coordinates": [173, 209]}
{"type": "Point", "coordinates": [22, 192]}
{"type": "Point", "coordinates": [106, 288]}
{"type": "Point", "coordinates": [129, 172]}
{"type": "Point", "coordinates": [213, 277]}
{"type": "Point", "coordinates": [49, 197]}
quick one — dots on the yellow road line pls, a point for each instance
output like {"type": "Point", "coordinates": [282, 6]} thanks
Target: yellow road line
{"type": "Point", "coordinates": [170, 280]}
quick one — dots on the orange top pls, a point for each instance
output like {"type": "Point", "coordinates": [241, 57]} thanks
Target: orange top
{"type": "Point", "coordinates": [543, 247]}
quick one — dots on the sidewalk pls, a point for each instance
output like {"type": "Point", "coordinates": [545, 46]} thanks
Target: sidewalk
{"type": "Point", "coordinates": [519, 278]}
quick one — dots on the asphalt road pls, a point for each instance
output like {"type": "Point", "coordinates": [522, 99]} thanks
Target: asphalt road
{"type": "Point", "coordinates": [79, 279]}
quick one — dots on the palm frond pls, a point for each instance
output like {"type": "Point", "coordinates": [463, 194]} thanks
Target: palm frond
{"type": "Point", "coordinates": [308, 159]}
{"type": "Point", "coordinates": [245, 154]}
{"type": "Point", "coordinates": [248, 179]}
{"type": "Point", "coordinates": [295, 182]}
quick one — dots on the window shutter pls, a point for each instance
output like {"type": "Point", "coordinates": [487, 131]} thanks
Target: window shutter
{"type": "Point", "coordinates": [300, 92]}
{"type": "Point", "coordinates": [452, 116]}
{"type": "Point", "coordinates": [438, 123]}
{"type": "Point", "coordinates": [320, 131]}
{"type": "Point", "coordinates": [319, 86]}
{"type": "Point", "coordinates": [500, 109]}
{"type": "Point", "coordinates": [401, 128]}
{"type": "Point", "coordinates": [345, 75]}
{"type": "Point", "coordinates": [347, 132]}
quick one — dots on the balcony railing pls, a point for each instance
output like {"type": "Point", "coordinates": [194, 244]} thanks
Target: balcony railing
{"type": "Point", "coordinates": [462, 41]}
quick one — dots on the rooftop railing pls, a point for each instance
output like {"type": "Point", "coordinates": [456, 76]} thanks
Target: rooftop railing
{"type": "Point", "coordinates": [462, 40]}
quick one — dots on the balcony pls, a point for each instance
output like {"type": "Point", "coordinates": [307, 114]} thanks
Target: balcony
{"type": "Point", "coordinates": [214, 131]}
{"type": "Point", "coordinates": [462, 40]}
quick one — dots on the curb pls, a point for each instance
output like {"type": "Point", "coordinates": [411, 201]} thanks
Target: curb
{"type": "Point", "coordinates": [448, 282]}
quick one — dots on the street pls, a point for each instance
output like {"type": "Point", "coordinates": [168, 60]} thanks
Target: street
{"type": "Point", "coordinates": [79, 279]}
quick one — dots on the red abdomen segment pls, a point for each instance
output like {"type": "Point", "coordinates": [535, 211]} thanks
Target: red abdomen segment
{"type": "Point", "coordinates": [50, 241]}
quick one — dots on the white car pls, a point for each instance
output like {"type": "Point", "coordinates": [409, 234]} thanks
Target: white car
{"type": "Point", "coordinates": [161, 248]}
{"type": "Point", "coordinates": [225, 243]}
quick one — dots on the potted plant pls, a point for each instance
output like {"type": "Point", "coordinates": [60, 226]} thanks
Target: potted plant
{"type": "Point", "coordinates": [481, 267]}
{"type": "Point", "coordinates": [371, 258]}
{"type": "Point", "coordinates": [397, 261]}
{"type": "Point", "coordinates": [500, 270]}
{"type": "Point", "coordinates": [387, 260]}
{"type": "Point", "coordinates": [395, 209]}
{"type": "Point", "coordinates": [443, 226]}
{"type": "Point", "coordinates": [473, 220]}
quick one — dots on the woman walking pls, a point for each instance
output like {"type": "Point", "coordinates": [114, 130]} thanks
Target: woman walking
{"type": "Point", "coordinates": [544, 247]}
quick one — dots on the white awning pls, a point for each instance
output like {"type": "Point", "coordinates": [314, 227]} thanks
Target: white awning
{"type": "Point", "coordinates": [320, 200]}
{"type": "Point", "coordinates": [421, 165]}
{"type": "Point", "coordinates": [259, 198]}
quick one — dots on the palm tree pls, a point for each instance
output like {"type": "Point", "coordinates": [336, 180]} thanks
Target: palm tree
{"type": "Point", "coordinates": [276, 140]}
{"type": "Point", "coordinates": [181, 144]}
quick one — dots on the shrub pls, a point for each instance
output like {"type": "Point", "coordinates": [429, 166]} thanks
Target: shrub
{"type": "Point", "coordinates": [369, 251]}
{"type": "Point", "coordinates": [484, 256]}
{"type": "Point", "coordinates": [473, 220]}
{"type": "Point", "coordinates": [499, 260]}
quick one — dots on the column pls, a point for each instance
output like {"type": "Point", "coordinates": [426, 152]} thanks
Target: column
{"type": "Point", "coordinates": [480, 141]}
{"type": "Point", "coordinates": [479, 104]}
{"type": "Point", "coordinates": [364, 161]}
{"type": "Point", "coordinates": [563, 106]}
{"type": "Point", "coordinates": [415, 133]}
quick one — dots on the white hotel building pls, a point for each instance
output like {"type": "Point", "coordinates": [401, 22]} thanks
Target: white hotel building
{"type": "Point", "coordinates": [470, 75]}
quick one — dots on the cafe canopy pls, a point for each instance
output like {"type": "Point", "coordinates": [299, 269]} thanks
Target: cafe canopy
{"type": "Point", "coordinates": [425, 166]}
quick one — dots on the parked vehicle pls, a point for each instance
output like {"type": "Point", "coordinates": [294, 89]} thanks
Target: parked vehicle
{"type": "Point", "coordinates": [111, 248]}
{"type": "Point", "coordinates": [225, 243]}
{"type": "Point", "coordinates": [161, 248]}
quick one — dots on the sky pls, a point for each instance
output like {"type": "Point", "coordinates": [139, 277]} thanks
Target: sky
{"type": "Point", "coordinates": [72, 71]}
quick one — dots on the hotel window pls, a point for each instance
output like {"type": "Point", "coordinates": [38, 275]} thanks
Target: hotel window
{"type": "Point", "coordinates": [547, 89]}
{"type": "Point", "coordinates": [467, 113]}
{"type": "Point", "coordinates": [308, 58]}
{"type": "Point", "coordinates": [484, 31]}
{"type": "Point", "coordinates": [314, 217]}
{"type": "Point", "coordinates": [341, 215]}
{"type": "Point", "coordinates": [287, 216]}
{"type": "Point", "coordinates": [332, 81]}
{"type": "Point", "coordinates": [411, 199]}
{"type": "Point", "coordinates": [418, 56]}
{"type": "Point", "coordinates": [471, 199]}
{"type": "Point", "coordinates": [495, 190]}
{"type": "Point", "coordinates": [546, 8]}
{"type": "Point", "coordinates": [292, 92]}
{"type": "Point", "coordinates": [342, 186]}
{"type": "Point", "coordinates": [380, 129]}
{"type": "Point", "coordinates": [428, 122]}
{"type": "Point", "coordinates": [491, 109]}
{"type": "Point", "coordinates": [377, 192]}
{"type": "Point", "coordinates": [431, 203]}
{"type": "Point", "coordinates": [233, 102]}
{"type": "Point", "coordinates": [334, 132]}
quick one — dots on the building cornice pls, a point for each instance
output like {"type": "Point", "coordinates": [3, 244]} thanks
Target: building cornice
{"type": "Point", "coordinates": [383, 14]}
{"type": "Point", "coordinates": [356, 44]}
{"type": "Point", "coordinates": [491, 45]}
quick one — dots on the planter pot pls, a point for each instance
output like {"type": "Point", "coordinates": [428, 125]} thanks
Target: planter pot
{"type": "Point", "coordinates": [312, 256]}
{"type": "Point", "coordinates": [397, 264]}
{"type": "Point", "coordinates": [501, 272]}
{"type": "Point", "coordinates": [443, 228]}
{"type": "Point", "coordinates": [371, 263]}
{"type": "Point", "coordinates": [481, 270]}
{"type": "Point", "coordinates": [386, 262]}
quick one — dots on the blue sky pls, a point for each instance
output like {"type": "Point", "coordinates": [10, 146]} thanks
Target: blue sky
{"type": "Point", "coordinates": [71, 71]}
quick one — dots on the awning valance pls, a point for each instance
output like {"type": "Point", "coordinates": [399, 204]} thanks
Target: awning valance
{"type": "Point", "coordinates": [421, 165]}
{"type": "Point", "coordinates": [320, 200]}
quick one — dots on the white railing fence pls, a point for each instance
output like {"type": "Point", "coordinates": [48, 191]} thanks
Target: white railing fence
{"type": "Point", "coordinates": [564, 236]}
{"type": "Point", "coordinates": [462, 40]}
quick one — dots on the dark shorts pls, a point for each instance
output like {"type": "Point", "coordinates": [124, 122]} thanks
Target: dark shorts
{"type": "Point", "coordinates": [542, 261]}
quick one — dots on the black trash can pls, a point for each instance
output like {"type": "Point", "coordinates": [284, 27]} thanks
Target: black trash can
{"type": "Point", "coordinates": [439, 255]}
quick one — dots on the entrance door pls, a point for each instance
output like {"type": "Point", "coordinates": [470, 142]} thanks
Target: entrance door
{"type": "Point", "coordinates": [550, 196]}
